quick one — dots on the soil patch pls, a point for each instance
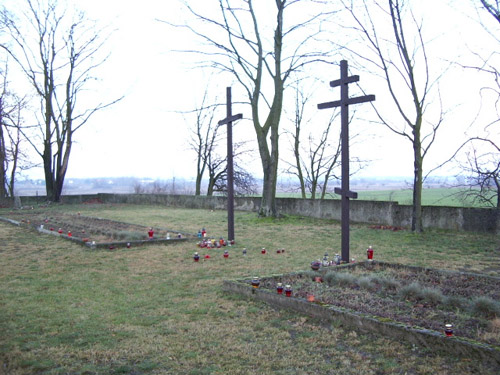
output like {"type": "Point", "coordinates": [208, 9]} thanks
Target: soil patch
{"type": "Point", "coordinates": [412, 296]}
{"type": "Point", "coordinates": [90, 228]}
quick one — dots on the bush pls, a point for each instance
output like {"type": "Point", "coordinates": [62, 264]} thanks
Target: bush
{"type": "Point", "coordinates": [485, 307]}
{"type": "Point", "coordinates": [340, 278]}
{"type": "Point", "coordinates": [411, 291]}
{"type": "Point", "coordinates": [454, 302]}
{"type": "Point", "coordinates": [432, 296]}
{"type": "Point", "coordinates": [367, 283]}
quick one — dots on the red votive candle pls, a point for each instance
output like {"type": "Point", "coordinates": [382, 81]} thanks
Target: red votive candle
{"type": "Point", "coordinates": [226, 254]}
{"type": "Point", "coordinates": [448, 330]}
{"type": "Point", "coordinates": [196, 257]}
{"type": "Point", "coordinates": [369, 253]}
{"type": "Point", "coordinates": [288, 291]}
{"type": "Point", "coordinates": [255, 282]}
{"type": "Point", "coordinates": [263, 251]}
{"type": "Point", "coordinates": [279, 288]}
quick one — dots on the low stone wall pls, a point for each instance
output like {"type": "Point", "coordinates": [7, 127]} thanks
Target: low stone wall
{"type": "Point", "coordinates": [371, 212]}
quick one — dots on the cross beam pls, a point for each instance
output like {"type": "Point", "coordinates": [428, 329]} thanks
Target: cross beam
{"type": "Point", "coordinates": [230, 171]}
{"type": "Point", "coordinates": [344, 102]}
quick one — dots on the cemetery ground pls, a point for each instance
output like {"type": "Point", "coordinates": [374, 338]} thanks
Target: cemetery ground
{"type": "Point", "coordinates": [151, 310]}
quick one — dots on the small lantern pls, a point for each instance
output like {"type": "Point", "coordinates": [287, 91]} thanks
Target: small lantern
{"type": "Point", "coordinates": [315, 265]}
{"type": "Point", "coordinates": [255, 282]}
{"type": "Point", "coordinates": [69, 234]}
{"type": "Point", "coordinates": [199, 234]}
{"type": "Point", "coordinates": [231, 242]}
{"type": "Point", "coordinates": [369, 252]}
{"type": "Point", "coordinates": [263, 251]}
{"type": "Point", "coordinates": [448, 330]}
{"type": "Point", "coordinates": [151, 233]}
{"type": "Point", "coordinates": [128, 245]}
{"type": "Point", "coordinates": [226, 254]}
{"type": "Point", "coordinates": [51, 229]}
{"type": "Point", "coordinates": [168, 236]}
{"type": "Point", "coordinates": [279, 288]}
{"type": "Point", "coordinates": [278, 251]}
{"type": "Point", "coordinates": [60, 231]}
{"type": "Point", "coordinates": [179, 235]}
{"type": "Point", "coordinates": [83, 231]}
{"type": "Point", "coordinates": [288, 291]}
{"type": "Point", "coordinates": [196, 257]}
{"type": "Point", "coordinates": [337, 259]}
{"type": "Point", "coordinates": [244, 251]}
{"type": "Point", "coordinates": [203, 232]}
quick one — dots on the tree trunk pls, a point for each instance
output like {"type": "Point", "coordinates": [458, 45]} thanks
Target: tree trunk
{"type": "Point", "coordinates": [416, 223]}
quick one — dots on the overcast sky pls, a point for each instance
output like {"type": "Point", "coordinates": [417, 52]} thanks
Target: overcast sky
{"type": "Point", "coordinates": [143, 135]}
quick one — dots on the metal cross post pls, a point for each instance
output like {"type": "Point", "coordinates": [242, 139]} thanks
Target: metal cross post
{"type": "Point", "coordinates": [344, 103]}
{"type": "Point", "coordinates": [230, 181]}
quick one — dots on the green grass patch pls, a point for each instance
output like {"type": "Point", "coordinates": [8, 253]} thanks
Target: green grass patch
{"type": "Point", "coordinates": [66, 309]}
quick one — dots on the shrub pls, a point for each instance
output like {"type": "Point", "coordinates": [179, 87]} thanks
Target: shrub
{"type": "Point", "coordinates": [411, 291]}
{"type": "Point", "coordinates": [454, 302]}
{"type": "Point", "coordinates": [485, 307]}
{"type": "Point", "coordinates": [431, 295]}
{"type": "Point", "coordinates": [339, 278]}
{"type": "Point", "coordinates": [367, 283]}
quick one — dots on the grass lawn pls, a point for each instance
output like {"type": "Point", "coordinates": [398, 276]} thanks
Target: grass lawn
{"type": "Point", "coordinates": [152, 310]}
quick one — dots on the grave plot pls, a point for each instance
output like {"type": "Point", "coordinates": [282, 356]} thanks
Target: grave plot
{"type": "Point", "coordinates": [94, 232]}
{"type": "Point", "coordinates": [452, 312]}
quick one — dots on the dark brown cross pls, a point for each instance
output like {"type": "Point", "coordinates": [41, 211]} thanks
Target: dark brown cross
{"type": "Point", "coordinates": [344, 103]}
{"type": "Point", "coordinates": [230, 173]}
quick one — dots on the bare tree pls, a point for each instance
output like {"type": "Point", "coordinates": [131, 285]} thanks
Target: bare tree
{"type": "Point", "coordinates": [401, 59]}
{"type": "Point", "coordinates": [261, 59]}
{"type": "Point", "coordinates": [58, 53]}
{"type": "Point", "coordinates": [315, 164]}
{"type": "Point", "coordinates": [12, 157]}
{"type": "Point", "coordinates": [204, 138]}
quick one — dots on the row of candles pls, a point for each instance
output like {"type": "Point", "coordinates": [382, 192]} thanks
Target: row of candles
{"type": "Point", "coordinates": [196, 256]}
{"type": "Point", "coordinates": [279, 287]}
{"type": "Point", "coordinates": [337, 259]}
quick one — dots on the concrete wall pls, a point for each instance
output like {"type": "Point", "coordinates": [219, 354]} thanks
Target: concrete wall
{"type": "Point", "coordinates": [372, 212]}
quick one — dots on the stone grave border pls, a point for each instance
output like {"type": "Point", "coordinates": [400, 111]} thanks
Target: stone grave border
{"type": "Point", "coordinates": [429, 339]}
{"type": "Point", "coordinates": [102, 245]}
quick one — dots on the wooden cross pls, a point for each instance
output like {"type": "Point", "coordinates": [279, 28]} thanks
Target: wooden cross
{"type": "Point", "coordinates": [230, 173]}
{"type": "Point", "coordinates": [344, 191]}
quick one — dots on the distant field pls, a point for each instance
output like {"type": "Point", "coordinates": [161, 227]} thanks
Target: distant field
{"type": "Point", "coordinates": [430, 197]}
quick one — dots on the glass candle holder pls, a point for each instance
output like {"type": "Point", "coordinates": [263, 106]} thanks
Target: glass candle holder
{"type": "Point", "coordinates": [448, 330]}
{"type": "Point", "coordinates": [288, 291]}
{"type": "Point", "coordinates": [279, 288]}
{"type": "Point", "coordinates": [315, 265]}
{"type": "Point", "coordinates": [151, 233]}
{"type": "Point", "coordinates": [255, 282]}
{"type": "Point", "coordinates": [369, 253]}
